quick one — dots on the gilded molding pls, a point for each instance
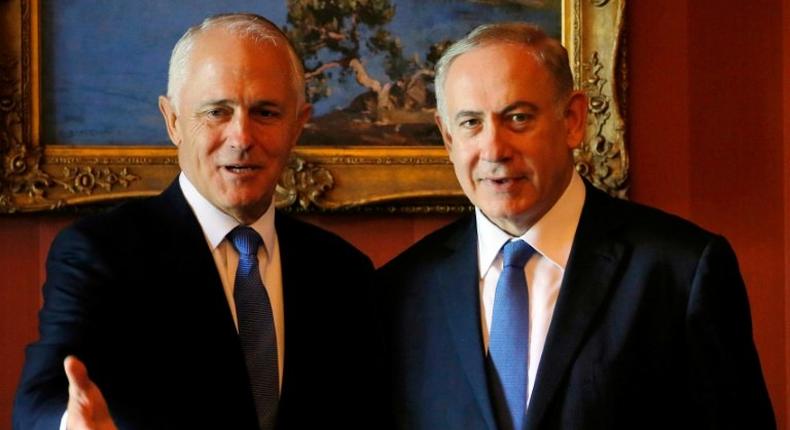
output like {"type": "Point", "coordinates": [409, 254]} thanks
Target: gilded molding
{"type": "Point", "coordinates": [303, 183]}
{"type": "Point", "coordinates": [576, 56]}
{"type": "Point", "coordinates": [419, 209]}
{"type": "Point", "coordinates": [388, 160]}
{"type": "Point", "coordinates": [106, 161]}
{"type": "Point", "coordinates": [86, 179]}
{"type": "Point", "coordinates": [598, 63]}
{"type": "Point", "coordinates": [20, 159]}
{"type": "Point", "coordinates": [599, 157]}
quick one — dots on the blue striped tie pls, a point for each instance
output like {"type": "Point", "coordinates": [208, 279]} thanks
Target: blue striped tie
{"type": "Point", "coordinates": [256, 326]}
{"type": "Point", "coordinates": [508, 346]}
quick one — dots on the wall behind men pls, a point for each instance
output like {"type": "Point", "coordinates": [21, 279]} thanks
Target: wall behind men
{"type": "Point", "coordinates": [709, 139]}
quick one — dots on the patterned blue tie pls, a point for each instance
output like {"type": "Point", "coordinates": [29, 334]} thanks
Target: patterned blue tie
{"type": "Point", "coordinates": [508, 345]}
{"type": "Point", "coordinates": [256, 326]}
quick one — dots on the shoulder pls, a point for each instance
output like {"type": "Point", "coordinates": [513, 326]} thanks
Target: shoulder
{"type": "Point", "coordinates": [435, 246]}
{"type": "Point", "coordinates": [659, 223]}
{"type": "Point", "coordinates": [127, 223]}
{"type": "Point", "coordinates": [299, 237]}
{"type": "Point", "coordinates": [640, 224]}
{"type": "Point", "coordinates": [106, 249]}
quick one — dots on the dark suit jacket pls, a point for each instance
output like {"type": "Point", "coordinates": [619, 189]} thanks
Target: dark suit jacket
{"type": "Point", "coordinates": [136, 295]}
{"type": "Point", "coordinates": [651, 330]}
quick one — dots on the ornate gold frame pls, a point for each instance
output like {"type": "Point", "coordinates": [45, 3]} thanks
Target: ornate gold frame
{"type": "Point", "coordinates": [36, 177]}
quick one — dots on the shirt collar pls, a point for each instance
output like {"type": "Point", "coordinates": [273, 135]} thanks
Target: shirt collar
{"type": "Point", "coordinates": [552, 236]}
{"type": "Point", "coordinates": [217, 224]}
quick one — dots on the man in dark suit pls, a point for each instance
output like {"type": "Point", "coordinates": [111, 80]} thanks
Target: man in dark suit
{"type": "Point", "coordinates": [162, 305]}
{"type": "Point", "coordinates": [556, 306]}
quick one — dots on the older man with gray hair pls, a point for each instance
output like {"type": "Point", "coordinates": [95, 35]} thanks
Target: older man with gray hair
{"type": "Point", "coordinates": [555, 306]}
{"type": "Point", "coordinates": [202, 307]}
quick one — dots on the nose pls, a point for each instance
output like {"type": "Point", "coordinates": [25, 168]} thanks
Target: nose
{"type": "Point", "coordinates": [240, 131]}
{"type": "Point", "coordinates": [493, 143]}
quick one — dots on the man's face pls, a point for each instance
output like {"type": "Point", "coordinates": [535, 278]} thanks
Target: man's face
{"type": "Point", "coordinates": [237, 117]}
{"type": "Point", "coordinates": [508, 136]}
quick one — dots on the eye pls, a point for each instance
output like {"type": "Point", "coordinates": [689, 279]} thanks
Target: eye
{"type": "Point", "coordinates": [469, 123]}
{"type": "Point", "coordinates": [520, 117]}
{"type": "Point", "coordinates": [266, 113]}
{"type": "Point", "coordinates": [216, 113]}
{"type": "Point", "coordinates": [520, 121]}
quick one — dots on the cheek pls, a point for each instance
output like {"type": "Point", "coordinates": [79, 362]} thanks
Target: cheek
{"type": "Point", "coordinates": [463, 162]}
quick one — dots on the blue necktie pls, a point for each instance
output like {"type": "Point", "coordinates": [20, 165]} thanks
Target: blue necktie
{"type": "Point", "coordinates": [256, 326]}
{"type": "Point", "coordinates": [508, 345]}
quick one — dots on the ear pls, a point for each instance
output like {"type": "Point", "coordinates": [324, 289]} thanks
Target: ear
{"type": "Point", "coordinates": [575, 117]}
{"type": "Point", "coordinates": [169, 114]}
{"type": "Point", "coordinates": [445, 132]}
{"type": "Point", "coordinates": [302, 116]}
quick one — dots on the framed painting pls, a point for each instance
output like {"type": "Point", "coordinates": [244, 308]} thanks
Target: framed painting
{"type": "Point", "coordinates": [79, 82]}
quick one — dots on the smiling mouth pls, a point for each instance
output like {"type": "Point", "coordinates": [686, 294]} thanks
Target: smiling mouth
{"type": "Point", "coordinates": [503, 181]}
{"type": "Point", "coordinates": [241, 168]}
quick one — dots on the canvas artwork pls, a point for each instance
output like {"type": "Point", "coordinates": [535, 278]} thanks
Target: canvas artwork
{"type": "Point", "coordinates": [80, 81]}
{"type": "Point", "coordinates": [369, 63]}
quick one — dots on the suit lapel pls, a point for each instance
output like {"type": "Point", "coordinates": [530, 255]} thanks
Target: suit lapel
{"type": "Point", "coordinates": [290, 275]}
{"type": "Point", "coordinates": [193, 265]}
{"type": "Point", "coordinates": [457, 280]}
{"type": "Point", "coordinates": [588, 277]}
{"type": "Point", "coordinates": [297, 310]}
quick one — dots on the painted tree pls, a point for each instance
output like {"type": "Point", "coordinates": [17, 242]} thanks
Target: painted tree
{"type": "Point", "coordinates": [333, 36]}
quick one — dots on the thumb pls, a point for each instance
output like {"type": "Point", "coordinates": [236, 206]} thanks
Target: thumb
{"type": "Point", "coordinates": [86, 408]}
{"type": "Point", "coordinates": [77, 373]}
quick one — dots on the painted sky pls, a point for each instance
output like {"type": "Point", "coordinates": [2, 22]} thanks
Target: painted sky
{"type": "Point", "coordinates": [105, 63]}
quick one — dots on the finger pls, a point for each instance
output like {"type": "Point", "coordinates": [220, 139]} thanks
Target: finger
{"type": "Point", "coordinates": [77, 373]}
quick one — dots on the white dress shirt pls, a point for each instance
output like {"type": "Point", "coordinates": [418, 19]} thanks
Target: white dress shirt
{"type": "Point", "coordinates": [552, 238]}
{"type": "Point", "coordinates": [216, 225]}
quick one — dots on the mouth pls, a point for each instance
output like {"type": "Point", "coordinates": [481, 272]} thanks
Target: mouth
{"type": "Point", "coordinates": [241, 168]}
{"type": "Point", "coordinates": [503, 180]}
{"type": "Point", "coordinates": [502, 184]}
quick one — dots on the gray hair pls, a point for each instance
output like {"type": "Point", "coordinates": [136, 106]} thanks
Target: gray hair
{"type": "Point", "coordinates": [247, 25]}
{"type": "Point", "coordinates": [548, 51]}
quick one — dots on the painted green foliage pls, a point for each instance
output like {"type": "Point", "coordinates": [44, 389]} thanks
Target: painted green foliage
{"type": "Point", "coordinates": [337, 38]}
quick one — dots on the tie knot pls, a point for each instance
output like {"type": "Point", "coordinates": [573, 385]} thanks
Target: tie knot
{"type": "Point", "coordinates": [516, 253]}
{"type": "Point", "coordinates": [245, 240]}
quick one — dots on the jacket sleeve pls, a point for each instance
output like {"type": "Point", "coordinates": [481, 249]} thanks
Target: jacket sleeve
{"type": "Point", "coordinates": [74, 271]}
{"type": "Point", "coordinates": [724, 368]}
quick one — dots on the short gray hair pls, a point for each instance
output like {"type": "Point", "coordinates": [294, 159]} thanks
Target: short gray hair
{"type": "Point", "coordinates": [256, 27]}
{"type": "Point", "coordinates": [547, 50]}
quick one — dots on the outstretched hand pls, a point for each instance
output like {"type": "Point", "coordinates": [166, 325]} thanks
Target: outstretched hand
{"type": "Point", "coordinates": [87, 409]}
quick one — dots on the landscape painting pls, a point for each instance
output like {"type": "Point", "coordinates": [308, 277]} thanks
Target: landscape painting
{"type": "Point", "coordinates": [369, 63]}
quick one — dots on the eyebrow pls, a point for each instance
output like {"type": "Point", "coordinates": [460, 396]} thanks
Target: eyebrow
{"type": "Point", "coordinates": [222, 102]}
{"type": "Point", "coordinates": [467, 113]}
{"type": "Point", "coordinates": [228, 102]}
{"type": "Point", "coordinates": [265, 103]}
{"type": "Point", "coordinates": [519, 105]}
{"type": "Point", "coordinates": [505, 110]}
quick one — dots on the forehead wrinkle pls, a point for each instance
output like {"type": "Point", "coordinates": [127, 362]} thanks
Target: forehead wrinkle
{"type": "Point", "coordinates": [216, 102]}
{"type": "Point", "coordinates": [519, 104]}
{"type": "Point", "coordinates": [231, 102]}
